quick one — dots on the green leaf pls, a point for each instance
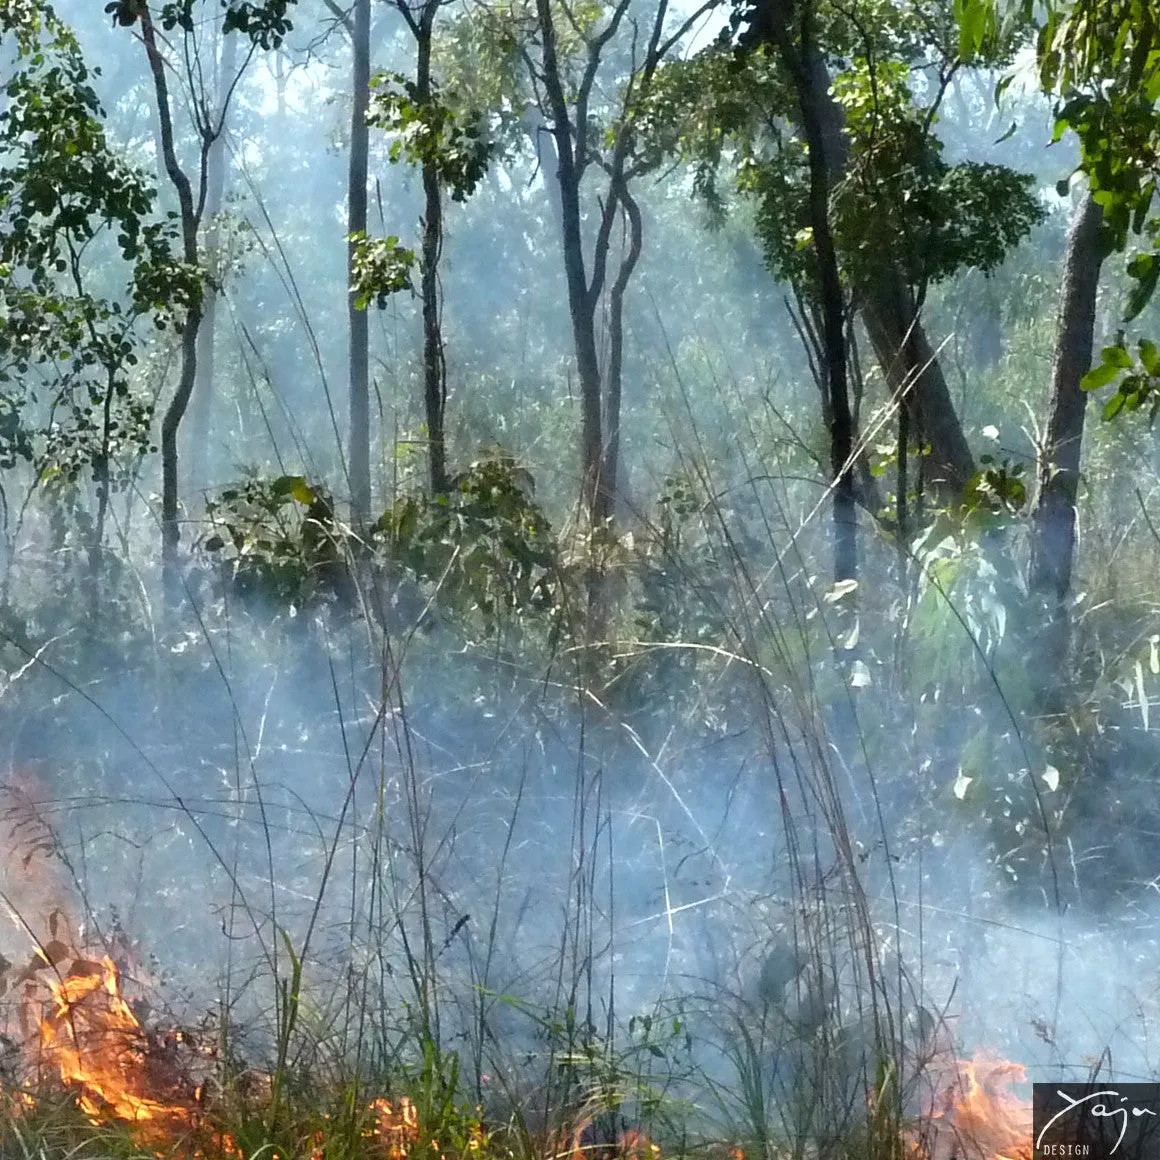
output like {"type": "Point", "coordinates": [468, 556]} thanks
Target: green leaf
{"type": "Point", "coordinates": [303, 492]}
{"type": "Point", "coordinates": [1149, 357]}
{"type": "Point", "coordinates": [976, 20]}
{"type": "Point", "coordinates": [1118, 356]}
{"type": "Point", "coordinates": [1099, 376]}
{"type": "Point", "coordinates": [1145, 269]}
{"type": "Point", "coordinates": [287, 485]}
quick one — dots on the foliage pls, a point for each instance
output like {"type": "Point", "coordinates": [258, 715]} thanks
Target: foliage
{"type": "Point", "coordinates": [898, 196]}
{"type": "Point", "coordinates": [1101, 61]}
{"type": "Point", "coordinates": [381, 267]}
{"type": "Point", "coordinates": [265, 24]}
{"type": "Point", "coordinates": [429, 131]}
{"type": "Point", "coordinates": [481, 50]}
{"type": "Point", "coordinates": [68, 344]}
{"type": "Point", "coordinates": [998, 488]}
{"type": "Point", "coordinates": [1139, 378]}
{"type": "Point", "coordinates": [279, 540]}
{"type": "Point", "coordinates": [485, 548]}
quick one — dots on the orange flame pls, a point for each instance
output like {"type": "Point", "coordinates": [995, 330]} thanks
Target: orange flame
{"type": "Point", "coordinates": [90, 1034]}
{"type": "Point", "coordinates": [630, 1144]}
{"type": "Point", "coordinates": [67, 1018]}
{"type": "Point", "coordinates": [976, 1116]}
{"type": "Point", "coordinates": [397, 1130]}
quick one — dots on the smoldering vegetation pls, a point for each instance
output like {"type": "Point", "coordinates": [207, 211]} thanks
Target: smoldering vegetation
{"type": "Point", "coordinates": [649, 824]}
{"type": "Point", "coordinates": [725, 869]}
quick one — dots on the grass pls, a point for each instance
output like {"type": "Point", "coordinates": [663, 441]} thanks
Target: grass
{"type": "Point", "coordinates": [450, 925]}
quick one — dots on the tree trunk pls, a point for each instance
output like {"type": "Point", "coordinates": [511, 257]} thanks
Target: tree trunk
{"type": "Point", "coordinates": [1053, 517]}
{"type": "Point", "coordinates": [190, 219]}
{"type": "Point", "coordinates": [914, 372]}
{"type": "Point", "coordinates": [796, 60]}
{"type": "Point", "coordinates": [610, 471]}
{"type": "Point", "coordinates": [581, 302]}
{"type": "Point", "coordinates": [203, 390]}
{"type": "Point", "coordinates": [356, 223]}
{"type": "Point", "coordinates": [887, 305]}
{"type": "Point", "coordinates": [434, 364]}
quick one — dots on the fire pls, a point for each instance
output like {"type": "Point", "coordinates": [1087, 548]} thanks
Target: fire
{"type": "Point", "coordinates": [583, 1143]}
{"type": "Point", "coordinates": [398, 1130]}
{"type": "Point", "coordinates": [68, 1023]}
{"type": "Point", "coordinates": [79, 1027]}
{"type": "Point", "coordinates": [91, 1035]}
{"type": "Point", "coordinates": [976, 1116]}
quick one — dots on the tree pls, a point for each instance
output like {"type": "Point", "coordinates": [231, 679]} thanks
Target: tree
{"type": "Point", "coordinates": [217, 164]}
{"type": "Point", "coordinates": [792, 34]}
{"type": "Point", "coordinates": [567, 106]}
{"type": "Point", "coordinates": [1053, 518]}
{"type": "Point", "coordinates": [359, 449]}
{"type": "Point", "coordinates": [446, 141]}
{"type": "Point", "coordinates": [67, 350]}
{"type": "Point", "coordinates": [264, 24]}
{"type": "Point", "coordinates": [889, 301]}
{"type": "Point", "coordinates": [902, 217]}
{"type": "Point", "coordinates": [1101, 61]}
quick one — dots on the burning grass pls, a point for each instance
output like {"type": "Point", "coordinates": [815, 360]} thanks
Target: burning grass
{"type": "Point", "coordinates": [168, 1092]}
{"type": "Point", "coordinates": [82, 1074]}
{"type": "Point", "coordinates": [974, 1114]}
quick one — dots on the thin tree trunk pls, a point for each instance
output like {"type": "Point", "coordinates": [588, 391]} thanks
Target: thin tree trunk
{"type": "Point", "coordinates": [1053, 517]}
{"type": "Point", "coordinates": [175, 412]}
{"type": "Point", "coordinates": [203, 391]}
{"type": "Point", "coordinates": [434, 363]}
{"type": "Point", "coordinates": [832, 304]}
{"type": "Point", "coordinates": [823, 137]}
{"type": "Point", "coordinates": [610, 471]}
{"type": "Point", "coordinates": [581, 302]}
{"type": "Point", "coordinates": [103, 478]}
{"type": "Point", "coordinates": [356, 223]}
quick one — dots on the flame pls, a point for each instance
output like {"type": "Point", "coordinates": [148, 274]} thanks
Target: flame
{"type": "Point", "coordinates": [397, 1130]}
{"type": "Point", "coordinates": [87, 1032]}
{"type": "Point", "coordinates": [976, 1116]}
{"type": "Point", "coordinates": [91, 1035]}
{"type": "Point", "coordinates": [67, 1019]}
{"type": "Point", "coordinates": [80, 1025]}
{"type": "Point", "coordinates": [630, 1144]}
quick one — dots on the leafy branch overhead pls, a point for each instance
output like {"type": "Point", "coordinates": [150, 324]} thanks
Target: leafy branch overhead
{"type": "Point", "coordinates": [1100, 59]}
{"type": "Point", "coordinates": [898, 196]}
{"type": "Point", "coordinates": [431, 132]}
{"type": "Point", "coordinates": [65, 194]}
{"type": "Point", "coordinates": [264, 24]}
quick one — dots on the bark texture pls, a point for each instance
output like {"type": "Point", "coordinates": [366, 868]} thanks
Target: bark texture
{"type": "Point", "coordinates": [581, 300]}
{"type": "Point", "coordinates": [203, 390]}
{"type": "Point", "coordinates": [434, 364]}
{"type": "Point", "coordinates": [359, 455]}
{"type": "Point", "coordinates": [798, 59]}
{"type": "Point", "coordinates": [189, 213]}
{"type": "Point", "coordinates": [1053, 522]}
